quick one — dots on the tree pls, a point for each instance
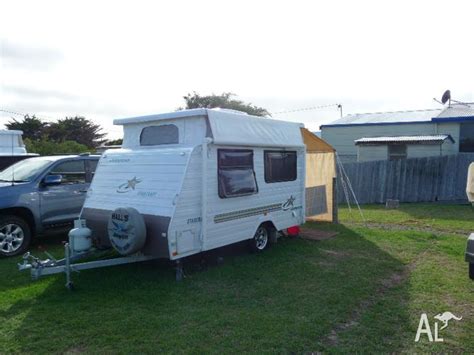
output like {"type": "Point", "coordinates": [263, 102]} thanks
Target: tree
{"type": "Point", "coordinates": [78, 129]}
{"type": "Point", "coordinates": [224, 100]}
{"type": "Point", "coordinates": [32, 127]}
{"type": "Point", "coordinates": [47, 147]}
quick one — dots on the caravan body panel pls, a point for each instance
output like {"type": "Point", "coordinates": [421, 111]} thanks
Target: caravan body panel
{"type": "Point", "coordinates": [146, 180]}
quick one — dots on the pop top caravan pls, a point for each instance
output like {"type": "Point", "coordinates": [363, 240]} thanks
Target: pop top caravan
{"type": "Point", "coordinates": [12, 148]}
{"type": "Point", "coordinates": [190, 181]}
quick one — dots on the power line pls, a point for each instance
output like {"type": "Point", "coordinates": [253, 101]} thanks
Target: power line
{"type": "Point", "coordinates": [309, 108]}
{"type": "Point", "coordinates": [16, 113]}
{"type": "Point", "coordinates": [12, 112]}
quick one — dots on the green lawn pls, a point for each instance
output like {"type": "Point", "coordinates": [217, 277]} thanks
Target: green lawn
{"type": "Point", "coordinates": [425, 216]}
{"type": "Point", "coordinates": [362, 291]}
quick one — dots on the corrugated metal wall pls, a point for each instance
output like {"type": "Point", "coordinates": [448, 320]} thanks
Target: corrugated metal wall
{"type": "Point", "coordinates": [409, 180]}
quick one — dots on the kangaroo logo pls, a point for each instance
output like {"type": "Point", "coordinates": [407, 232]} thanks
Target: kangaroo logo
{"type": "Point", "coordinates": [445, 318]}
{"type": "Point", "coordinates": [424, 326]}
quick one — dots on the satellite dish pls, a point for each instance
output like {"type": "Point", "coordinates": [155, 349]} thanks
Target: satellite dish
{"type": "Point", "coordinates": [446, 97]}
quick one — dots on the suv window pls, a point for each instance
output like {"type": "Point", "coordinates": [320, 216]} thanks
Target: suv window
{"type": "Point", "coordinates": [73, 171]}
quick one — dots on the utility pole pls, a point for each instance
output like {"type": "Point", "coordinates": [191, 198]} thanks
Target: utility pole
{"type": "Point", "coordinates": [339, 106]}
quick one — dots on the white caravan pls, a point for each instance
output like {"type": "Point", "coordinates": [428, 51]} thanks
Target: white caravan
{"type": "Point", "coordinates": [197, 180]}
{"type": "Point", "coordinates": [11, 143]}
{"type": "Point", "coordinates": [12, 148]}
{"type": "Point", "coordinates": [186, 182]}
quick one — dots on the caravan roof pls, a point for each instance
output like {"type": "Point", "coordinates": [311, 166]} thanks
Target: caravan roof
{"type": "Point", "coordinates": [11, 132]}
{"type": "Point", "coordinates": [228, 127]}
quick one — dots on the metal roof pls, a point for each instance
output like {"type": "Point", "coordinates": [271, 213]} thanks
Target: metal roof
{"type": "Point", "coordinates": [454, 113]}
{"type": "Point", "coordinates": [457, 110]}
{"type": "Point", "coordinates": [425, 139]}
{"type": "Point", "coordinates": [387, 117]}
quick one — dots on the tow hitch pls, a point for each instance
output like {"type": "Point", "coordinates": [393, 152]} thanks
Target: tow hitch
{"type": "Point", "coordinates": [76, 249]}
{"type": "Point", "coordinates": [52, 266]}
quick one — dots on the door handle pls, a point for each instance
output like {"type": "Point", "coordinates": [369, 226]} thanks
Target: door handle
{"type": "Point", "coordinates": [82, 191]}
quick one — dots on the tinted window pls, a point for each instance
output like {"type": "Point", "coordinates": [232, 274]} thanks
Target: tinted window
{"type": "Point", "coordinates": [397, 151]}
{"type": "Point", "coordinates": [235, 173]}
{"type": "Point", "coordinates": [25, 170]}
{"type": "Point", "coordinates": [466, 137]}
{"type": "Point", "coordinates": [72, 171]}
{"type": "Point", "coordinates": [156, 135]}
{"type": "Point", "coordinates": [280, 166]}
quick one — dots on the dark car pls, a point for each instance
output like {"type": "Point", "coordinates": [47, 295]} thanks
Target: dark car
{"type": "Point", "coordinates": [41, 194]}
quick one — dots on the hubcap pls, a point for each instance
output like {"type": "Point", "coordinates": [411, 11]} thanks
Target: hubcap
{"type": "Point", "coordinates": [261, 238]}
{"type": "Point", "coordinates": [11, 237]}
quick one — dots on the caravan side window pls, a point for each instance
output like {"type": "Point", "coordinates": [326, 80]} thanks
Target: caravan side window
{"type": "Point", "coordinates": [280, 166]}
{"type": "Point", "coordinates": [156, 135]}
{"type": "Point", "coordinates": [235, 173]}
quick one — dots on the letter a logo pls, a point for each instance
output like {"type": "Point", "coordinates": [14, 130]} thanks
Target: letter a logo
{"type": "Point", "coordinates": [423, 328]}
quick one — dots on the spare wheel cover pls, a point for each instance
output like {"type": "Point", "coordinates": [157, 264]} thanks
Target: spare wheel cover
{"type": "Point", "coordinates": [127, 230]}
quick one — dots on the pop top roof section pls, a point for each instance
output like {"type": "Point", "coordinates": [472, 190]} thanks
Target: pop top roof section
{"type": "Point", "coordinates": [230, 127]}
{"type": "Point", "coordinates": [10, 132]}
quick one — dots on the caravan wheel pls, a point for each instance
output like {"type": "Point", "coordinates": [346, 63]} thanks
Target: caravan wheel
{"type": "Point", "coordinates": [262, 238]}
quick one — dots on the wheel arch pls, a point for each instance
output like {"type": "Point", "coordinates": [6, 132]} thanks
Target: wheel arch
{"type": "Point", "coordinates": [269, 224]}
{"type": "Point", "coordinates": [22, 212]}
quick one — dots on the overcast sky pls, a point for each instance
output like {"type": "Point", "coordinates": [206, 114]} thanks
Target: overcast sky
{"type": "Point", "coordinates": [106, 60]}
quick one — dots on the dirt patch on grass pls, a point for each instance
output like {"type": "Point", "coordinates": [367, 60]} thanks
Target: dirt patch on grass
{"type": "Point", "coordinates": [75, 350]}
{"type": "Point", "coordinates": [314, 234]}
{"type": "Point", "coordinates": [393, 280]}
{"type": "Point", "coordinates": [410, 227]}
{"type": "Point", "coordinates": [338, 254]}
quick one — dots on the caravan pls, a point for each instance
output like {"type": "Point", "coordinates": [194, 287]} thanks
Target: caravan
{"type": "Point", "coordinates": [12, 148]}
{"type": "Point", "coordinates": [195, 180]}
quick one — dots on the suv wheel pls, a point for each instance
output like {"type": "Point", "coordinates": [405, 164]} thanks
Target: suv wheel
{"type": "Point", "coordinates": [15, 236]}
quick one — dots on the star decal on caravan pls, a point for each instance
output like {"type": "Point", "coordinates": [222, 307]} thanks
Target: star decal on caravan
{"type": "Point", "coordinates": [288, 204]}
{"type": "Point", "coordinates": [129, 185]}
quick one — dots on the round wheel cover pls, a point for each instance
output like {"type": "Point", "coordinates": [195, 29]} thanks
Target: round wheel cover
{"type": "Point", "coordinates": [127, 230]}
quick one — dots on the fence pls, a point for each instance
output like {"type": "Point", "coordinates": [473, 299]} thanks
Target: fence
{"type": "Point", "coordinates": [409, 180]}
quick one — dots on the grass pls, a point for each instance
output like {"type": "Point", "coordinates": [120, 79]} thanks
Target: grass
{"type": "Point", "coordinates": [425, 216]}
{"type": "Point", "coordinates": [362, 291]}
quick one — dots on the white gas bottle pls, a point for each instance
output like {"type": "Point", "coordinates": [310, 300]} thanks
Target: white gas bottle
{"type": "Point", "coordinates": [80, 237]}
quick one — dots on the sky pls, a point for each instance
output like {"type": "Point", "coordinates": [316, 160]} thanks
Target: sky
{"type": "Point", "coordinates": [106, 60]}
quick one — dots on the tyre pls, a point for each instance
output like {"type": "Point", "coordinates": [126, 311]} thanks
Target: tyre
{"type": "Point", "coordinates": [262, 239]}
{"type": "Point", "coordinates": [471, 271]}
{"type": "Point", "coordinates": [15, 235]}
